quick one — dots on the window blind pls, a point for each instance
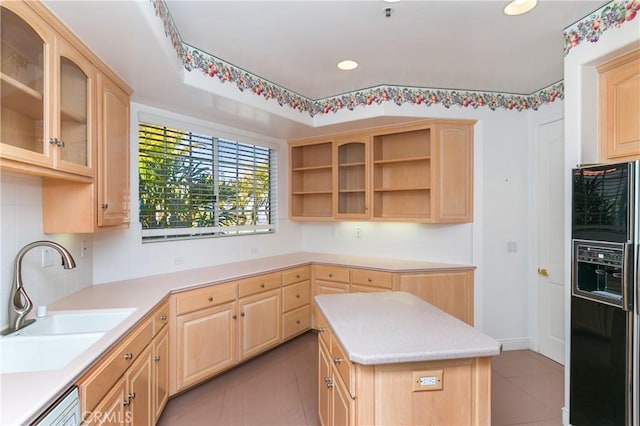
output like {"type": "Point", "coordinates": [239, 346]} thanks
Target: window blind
{"type": "Point", "coordinates": [193, 185]}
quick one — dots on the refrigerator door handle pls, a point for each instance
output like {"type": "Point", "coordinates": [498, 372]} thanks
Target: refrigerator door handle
{"type": "Point", "coordinates": [625, 277]}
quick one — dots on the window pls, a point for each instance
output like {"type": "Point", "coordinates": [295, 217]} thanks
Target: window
{"type": "Point", "coordinates": [194, 185]}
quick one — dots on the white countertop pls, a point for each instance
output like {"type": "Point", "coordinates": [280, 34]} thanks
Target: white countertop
{"type": "Point", "coordinates": [23, 396]}
{"type": "Point", "coordinates": [393, 327]}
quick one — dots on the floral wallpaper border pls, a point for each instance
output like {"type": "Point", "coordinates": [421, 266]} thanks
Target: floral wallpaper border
{"type": "Point", "coordinates": [589, 29]}
{"type": "Point", "coordinates": [611, 15]}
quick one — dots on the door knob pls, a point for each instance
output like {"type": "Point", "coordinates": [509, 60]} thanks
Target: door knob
{"type": "Point", "coordinates": [543, 272]}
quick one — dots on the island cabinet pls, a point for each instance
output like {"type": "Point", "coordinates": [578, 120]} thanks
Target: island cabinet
{"type": "Point", "coordinates": [296, 301]}
{"type": "Point", "coordinates": [415, 172]}
{"type": "Point", "coordinates": [619, 108]}
{"type": "Point", "coordinates": [374, 372]}
{"type": "Point", "coordinates": [65, 117]}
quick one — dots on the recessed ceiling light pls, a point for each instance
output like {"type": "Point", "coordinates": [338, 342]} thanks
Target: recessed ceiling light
{"type": "Point", "coordinates": [518, 7]}
{"type": "Point", "coordinates": [347, 65]}
{"type": "Point", "coordinates": [391, 1]}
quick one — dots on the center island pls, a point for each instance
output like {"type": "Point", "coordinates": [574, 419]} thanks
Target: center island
{"type": "Point", "coordinates": [390, 358]}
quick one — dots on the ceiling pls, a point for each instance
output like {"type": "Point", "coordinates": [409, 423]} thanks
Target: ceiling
{"type": "Point", "coordinates": [463, 45]}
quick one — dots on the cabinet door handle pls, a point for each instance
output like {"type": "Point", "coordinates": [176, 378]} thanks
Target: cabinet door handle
{"type": "Point", "coordinates": [297, 321]}
{"type": "Point", "coordinates": [105, 206]}
{"type": "Point", "coordinates": [241, 314]}
{"type": "Point", "coordinates": [337, 361]}
{"type": "Point", "coordinates": [210, 298]}
{"type": "Point", "coordinates": [128, 356]}
{"type": "Point", "coordinates": [57, 142]}
{"type": "Point", "coordinates": [163, 317]}
{"type": "Point", "coordinates": [329, 382]}
{"type": "Point", "coordinates": [322, 329]}
{"type": "Point", "coordinates": [156, 358]}
{"type": "Point", "coordinates": [126, 402]}
{"type": "Point", "coordinates": [298, 296]}
{"type": "Point", "coordinates": [132, 395]}
{"type": "Point", "coordinates": [234, 316]}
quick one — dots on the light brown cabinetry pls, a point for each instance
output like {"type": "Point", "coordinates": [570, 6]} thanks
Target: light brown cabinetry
{"type": "Point", "coordinates": [311, 180]}
{"type": "Point", "coordinates": [47, 96]}
{"type": "Point", "coordinates": [260, 323]}
{"type": "Point", "coordinates": [451, 291]}
{"type": "Point", "coordinates": [296, 298]}
{"type": "Point", "coordinates": [351, 187]}
{"type": "Point", "coordinates": [65, 117]}
{"type": "Point", "coordinates": [355, 394]}
{"type": "Point", "coordinates": [619, 108]}
{"type": "Point", "coordinates": [129, 385]}
{"type": "Point", "coordinates": [365, 280]}
{"type": "Point", "coordinates": [205, 333]}
{"type": "Point", "coordinates": [415, 172]}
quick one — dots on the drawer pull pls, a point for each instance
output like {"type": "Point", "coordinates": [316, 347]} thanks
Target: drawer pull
{"type": "Point", "coordinates": [156, 358]}
{"type": "Point", "coordinates": [337, 361]}
{"type": "Point", "coordinates": [262, 285]}
{"type": "Point", "coordinates": [210, 298]}
{"type": "Point", "coordinates": [329, 382]}
{"type": "Point", "coordinates": [297, 321]}
{"type": "Point", "coordinates": [163, 317]}
{"type": "Point", "coordinates": [297, 276]}
{"type": "Point", "coordinates": [128, 356]}
{"type": "Point", "coordinates": [132, 395]}
{"type": "Point", "coordinates": [330, 275]}
{"type": "Point", "coordinates": [369, 279]}
{"type": "Point", "coordinates": [298, 296]}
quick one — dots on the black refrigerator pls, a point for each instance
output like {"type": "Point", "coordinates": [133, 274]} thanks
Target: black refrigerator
{"type": "Point", "coordinates": [603, 359]}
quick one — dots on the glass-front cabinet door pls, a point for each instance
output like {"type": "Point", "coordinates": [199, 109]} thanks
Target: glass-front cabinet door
{"type": "Point", "coordinates": [352, 177]}
{"type": "Point", "coordinates": [72, 131]}
{"type": "Point", "coordinates": [46, 95]}
{"type": "Point", "coordinates": [24, 92]}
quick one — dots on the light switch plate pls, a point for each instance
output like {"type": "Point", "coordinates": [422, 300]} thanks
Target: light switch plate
{"type": "Point", "coordinates": [427, 380]}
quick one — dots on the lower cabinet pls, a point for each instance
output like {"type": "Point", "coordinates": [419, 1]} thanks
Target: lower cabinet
{"type": "Point", "coordinates": [160, 357]}
{"type": "Point", "coordinates": [129, 385]}
{"type": "Point", "coordinates": [206, 342]}
{"type": "Point", "coordinates": [260, 317]}
{"type": "Point", "coordinates": [335, 404]}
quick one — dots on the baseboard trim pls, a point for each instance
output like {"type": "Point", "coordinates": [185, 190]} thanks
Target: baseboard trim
{"type": "Point", "coordinates": [515, 344]}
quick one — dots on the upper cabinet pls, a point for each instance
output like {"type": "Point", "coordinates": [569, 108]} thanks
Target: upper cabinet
{"type": "Point", "coordinates": [351, 195]}
{"type": "Point", "coordinates": [47, 98]}
{"type": "Point", "coordinates": [619, 108]}
{"type": "Point", "coordinates": [311, 180]}
{"type": "Point", "coordinates": [416, 172]}
{"type": "Point", "coordinates": [65, 117]}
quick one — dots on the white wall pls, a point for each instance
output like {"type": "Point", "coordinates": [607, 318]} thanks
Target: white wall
{"type": "Point", "coordinates": [501, 214]}
{"type": "Point", "coordinates": [120, 254]}
{"type": "Point", "coordinates": [20, 224]}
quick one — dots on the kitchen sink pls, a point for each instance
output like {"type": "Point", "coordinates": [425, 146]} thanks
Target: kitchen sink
{"type": "Point", "coordinates": [74, 322]}
{"type": "Point", "coordinates": [19, 353]}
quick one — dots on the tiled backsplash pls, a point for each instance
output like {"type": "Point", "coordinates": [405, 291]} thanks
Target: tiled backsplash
{"type": "Point", "coordinates": [20, 224]}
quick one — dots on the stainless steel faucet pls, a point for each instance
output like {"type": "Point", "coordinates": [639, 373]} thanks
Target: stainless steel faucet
{"type": "Point", "coordinates": [19, 303]}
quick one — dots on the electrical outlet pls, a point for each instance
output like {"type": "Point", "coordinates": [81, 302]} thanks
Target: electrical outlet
{"type": "Point", "coordinates": [178, 260]}
{"type": "Point", "coordinates": [83, 248]}
{"type": "Point", "coordinates": [358, 232]}
{"type": "Point", "coordinates": [48, 257]}
{"type": "Point", "coordinates": [512, 246]}
{"type": "Point", "coordinates": [254, 250]}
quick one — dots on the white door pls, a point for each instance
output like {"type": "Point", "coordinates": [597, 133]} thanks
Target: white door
{"type": "Point", "coordinates": [550, 202]}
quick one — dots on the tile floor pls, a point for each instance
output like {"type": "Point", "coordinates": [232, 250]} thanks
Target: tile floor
{"type": "Point", "coordinates": [279, 388]}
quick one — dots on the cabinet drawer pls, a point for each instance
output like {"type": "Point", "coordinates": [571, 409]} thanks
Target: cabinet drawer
{"type": "Point", "coordinates": [295, 295]}
{"type": "Point", "coordinates": [295, 275]}
{"type": "Point", "coordinates": [259, 284]}
{"type": "Point", "coordinates": [332, 273]}
{"type": "Point", "coordinates": [343, 365]}
{"type": "Point", "coordinates": [204, 297]}
{"type": "Point", "coordinates": [160, 317]}
{"type": "Point", "coordinates": [372, 278]}
{"type": "Point", "coordinates": [295, 322]}
{"type": "Point", "coordinates": [95, 385]}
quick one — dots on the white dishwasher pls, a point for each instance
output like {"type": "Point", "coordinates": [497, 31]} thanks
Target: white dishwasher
{"type": "Point", "coordinates": [64, 412]}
